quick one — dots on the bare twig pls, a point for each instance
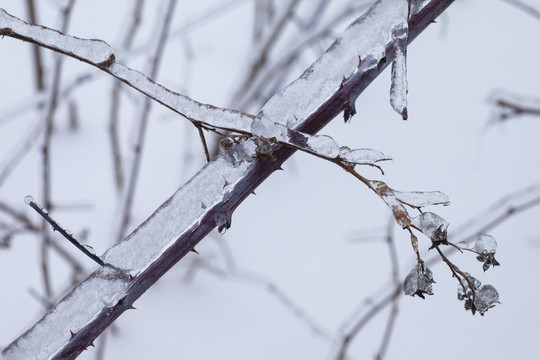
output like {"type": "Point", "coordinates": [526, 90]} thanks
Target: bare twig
{"type": "Point", "coordinates": [49, 113]}
{"type": "Point", "coordinates": [529, 9]}
{"type": "Point", "coordinates": [129, 36]}
{"type": "Point", "coordinates": [36, 50]}
{"type": "Point", "coordinates": [269, 286]}
{"type": "Point", "coordinates": [45, 214]}
{"type": "Point", "coordinates": [141, 125]}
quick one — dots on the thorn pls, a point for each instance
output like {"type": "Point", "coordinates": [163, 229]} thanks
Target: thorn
{"type": "Point", "coordinates": [433, 21]}
{"type": "Point", "coordinates": [195, 251]}
{"type": "Point", "coordinates": [280, 168]}
{"type": "Point", "coordinates": [132, 308]}
{"type": "Point", "coordinates": [359, 61]}
{"type": "Point", "coordinates": [343, 82]}
{"type": "Point", "coordinates": [349, 111]}
{"type": "Point", "coordinates": [131, 277]}
{"type": "Point", "coordinates": [253, 192]}
{"type": "Point", "coordinates": [72, 334]}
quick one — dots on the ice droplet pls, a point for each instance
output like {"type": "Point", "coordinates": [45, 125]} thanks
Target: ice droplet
{"type": "Point", "coordinates": [223, 222]}
{"type": "Point", "coordinates": [432, 225]}
{"type": "Point", "coordinates": [485, 246]}
{"type": "Point", "coordinates": [419, 282]}
{"type": "Point", "coordinates": [485, 243]}
{"type": "Point", "coordinates": [28, 199]}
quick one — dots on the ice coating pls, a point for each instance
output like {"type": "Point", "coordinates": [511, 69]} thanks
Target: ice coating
{"type": "Point", "coordinates": [481, 298]}
{"type": "Point", "coordinates": [486, 246]}
{"type": "Point", "coordinates": [181, 212]}
{"type": "Point", "coordinates": [418, 282]}
{"type": "Point", "coordinates": [465, 292]}
{"type": "Point", "coordinates": [432, 225]}
{"type": "Point", "coordinates": [193, 110]}
{"type": "Point", "coordinates": [362, 156]}
{"type": "Point", "coordinates": [323, 145]}
{"type": "Point", "coordinates": [486, 298]}
{"type": "Point", "coordinates": [485, 243]}
{"type": "Point", "coordinates": [399, 86]}
{"type": "Point", "coordinates": [387, 194]}
{"type": "Point", "coordinates": [87, 301]}
{"type": "Point", "coordinates": [367, 38]}
{"type": "Point", "coordinates": [95, 51]}
{"type": "Point", "coordinates": [422, 198]}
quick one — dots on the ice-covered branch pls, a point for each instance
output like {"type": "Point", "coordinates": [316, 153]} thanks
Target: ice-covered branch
{"type": "Point", "coordinates": [210, 197]}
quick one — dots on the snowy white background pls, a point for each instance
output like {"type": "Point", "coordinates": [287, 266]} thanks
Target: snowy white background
{"type": "Point", "coordinates": [296, 232]}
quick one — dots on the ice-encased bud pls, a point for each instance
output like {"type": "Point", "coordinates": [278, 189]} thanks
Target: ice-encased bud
{"type": "Point", "coordinates": [432, 225]}
{"type": "Point", "coordinates": [486, 298]}
{"type": "Point", "coordinates": [28, 199]}
{"type": "Point", "coordinates": [419, 282]}
{"type": "Point", "coordinates": [481, 298]}
{"type": "Point", "coordinates": [464, 291]}
{"type": "Point", "coordinates": [485, 246]}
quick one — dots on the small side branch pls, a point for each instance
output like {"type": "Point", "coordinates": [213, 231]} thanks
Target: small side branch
{"type": "Point", "coordinates": [44, 213]}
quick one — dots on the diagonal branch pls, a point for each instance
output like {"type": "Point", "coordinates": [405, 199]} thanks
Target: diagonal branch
{"type": "Point", "coordinates": [211, 196]}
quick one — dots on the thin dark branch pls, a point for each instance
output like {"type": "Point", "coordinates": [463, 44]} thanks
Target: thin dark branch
{"type": "Point", "coordinates": [49, 112]}
{"type": "Point", "coordinates": [44, 213]}
{"type": "Point", "coordinates": [203, 141]}
{"type": "Point", "coordinates": [529, 9]}
{"type": "Point", "coordinates": [133, 172]}
{"type": "Point", "coordinates": [134, 22]}
{"type": "Point", "coordinates": [36, 50]}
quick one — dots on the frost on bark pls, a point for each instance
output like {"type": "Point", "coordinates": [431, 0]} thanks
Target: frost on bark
{"type": "Point", "coordinates": [288, 122]}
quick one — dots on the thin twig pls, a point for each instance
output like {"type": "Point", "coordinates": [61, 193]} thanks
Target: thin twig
{"type": "Point", "coordinates": [129, 36]}
{"type": "Point", "coordinates": [36, 50]}
{"type": "Point", "coordinates": [274, 290]}
{"type": "Point", "coordinates": [44, 213]}
{"type": "Point", "coordinates": [49, 112]}
{"type": "Point", "coordinates": [133, 171]}
{"type": "Point", "coordinates": [529, 9]}
{"type": "Point", "coordinates": [203, 141]}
